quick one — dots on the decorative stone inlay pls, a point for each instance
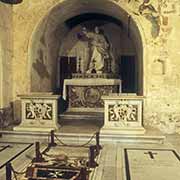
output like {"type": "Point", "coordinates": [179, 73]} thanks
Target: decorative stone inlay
{"type": "Point", "coordinates": [39, 110]}
{"type": "Point", "coordinates": [123, 112]}
{"type": "Point", "coordinates": [88, 96]}
{"type": "Point", "coordinates": [85, 94]}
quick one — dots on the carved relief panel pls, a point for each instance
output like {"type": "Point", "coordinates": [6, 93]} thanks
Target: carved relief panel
{"type": "Point", "coordinates": [89, 96]}
{"type": "Point", "coordinates": [41, 111]}
{"type": "Point", "coordinates": [123, 112]}
{"type": "Point", "coordinates": [38, 112]}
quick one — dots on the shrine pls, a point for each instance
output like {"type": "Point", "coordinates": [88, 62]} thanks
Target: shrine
{"type": "Point", "coordinates": [91, 55]}
{"type": "Point", "coordinates": [89, 89]}
{"type": "Point", "coordinates": [91, 65]}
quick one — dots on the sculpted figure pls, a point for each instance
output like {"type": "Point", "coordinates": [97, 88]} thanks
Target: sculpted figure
{"type": "Point", "coordinates": [99, 50]}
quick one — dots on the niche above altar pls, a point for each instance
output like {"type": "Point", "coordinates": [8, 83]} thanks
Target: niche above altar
{"type": "Point", "coordinates": [79, 42]}
{"type": "Point", "coordinates": [89, 63]}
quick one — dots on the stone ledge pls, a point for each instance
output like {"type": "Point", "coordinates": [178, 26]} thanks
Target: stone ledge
{"type": "Point", "coordinates": [74, 138]}
{"type": "Point", "coordinates": [124, 130]}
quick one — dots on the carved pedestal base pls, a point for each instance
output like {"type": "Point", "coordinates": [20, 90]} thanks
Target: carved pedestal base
{"type": "Point", "coordinates": [123, 115]}
{"type": "Point", "coordinates": [39, 112]}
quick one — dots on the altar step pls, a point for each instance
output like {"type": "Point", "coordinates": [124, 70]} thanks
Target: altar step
{"type": "Point", "coordinates": [86, 116]}
{"type": "Point", "coordinates": [81, 122]}
{"type": "Point", "coordinates": [150, 137]}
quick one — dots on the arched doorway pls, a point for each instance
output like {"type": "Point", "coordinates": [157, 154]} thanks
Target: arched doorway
{"type": "Point", "coordinates": [52, 31]}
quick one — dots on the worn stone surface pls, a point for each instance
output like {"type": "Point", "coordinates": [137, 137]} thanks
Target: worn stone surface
{"type": "Point", "coordinates": [6, 50]}
{"type": "Point", "coordinates": [38, 28]}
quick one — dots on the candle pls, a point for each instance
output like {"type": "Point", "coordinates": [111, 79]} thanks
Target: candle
{"type": "Point", "coordinates": [76, 52]}
{"type": "Point", "coordinates": [68, 60]}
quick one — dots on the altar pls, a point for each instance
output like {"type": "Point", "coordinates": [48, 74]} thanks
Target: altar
{"type": "Point", "coordinates": [85, 94]}
{"type": "Point", "coordinates": [91, 74]}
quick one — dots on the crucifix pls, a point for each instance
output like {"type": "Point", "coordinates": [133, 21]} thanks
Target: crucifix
{"type": "Point", "coordinates": [2, 148]}
{"type": "Point", "coordinates": [151, 154]}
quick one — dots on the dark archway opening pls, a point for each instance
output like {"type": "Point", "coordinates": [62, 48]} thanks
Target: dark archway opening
{"type": "Point", "coordinates": [127, 72]}
{"type": "Point", "coordinates": [74, 21]}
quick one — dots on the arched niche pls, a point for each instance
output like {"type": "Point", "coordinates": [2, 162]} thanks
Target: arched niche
{"type": "Point", "coordinates": [51, 31]}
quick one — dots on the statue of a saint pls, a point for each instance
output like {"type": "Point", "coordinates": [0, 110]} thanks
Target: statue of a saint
{"type": "Point", "coordinates": [99, 50]}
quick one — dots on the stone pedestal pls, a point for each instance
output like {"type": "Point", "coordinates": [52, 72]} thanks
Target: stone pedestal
{"type": "Point", "coordinates": [85, 94]}
{"type": "Point", "coordinates": [39, 112]}
{"type": "Point", "coordinates": [123, 114]}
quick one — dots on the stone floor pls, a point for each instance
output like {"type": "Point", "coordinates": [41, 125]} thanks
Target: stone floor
{"type": "Point", "coordinates": [112, 160]}
{"type": "Point", "coordinates": [84, 122]}
{"type": "Point", "coordinates": [113, 164]}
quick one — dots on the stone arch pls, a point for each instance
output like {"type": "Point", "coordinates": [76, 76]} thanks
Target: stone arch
{"type": "Point", "coordinates": [51, 28]}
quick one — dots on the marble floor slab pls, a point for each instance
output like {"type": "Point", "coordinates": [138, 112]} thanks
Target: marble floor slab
{"type": "Point", "coordinates": [147, 161]}
{"type": "Point", "coordinates": [148, 164]}
{"type": "Point", "coordinates": [69, 151]}
{"type": "Point", "coordinates": [113, 165]}
{"type": "Point", "coordinates": [9, 151]}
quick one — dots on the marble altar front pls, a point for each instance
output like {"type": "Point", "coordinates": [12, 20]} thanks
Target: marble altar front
{"type": "Point", "coordinates": [123, 114]}
{"type": "Point", "coordinates": [85, 94]}
{"type": "Point", "coordinates": [39, 112]}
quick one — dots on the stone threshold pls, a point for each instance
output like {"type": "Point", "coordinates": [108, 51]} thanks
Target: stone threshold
{"type": "Point", "coordinates": [79, 138]}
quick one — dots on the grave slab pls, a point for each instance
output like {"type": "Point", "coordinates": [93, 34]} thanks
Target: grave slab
{"type": "Point", "coordinates": [148, 164]}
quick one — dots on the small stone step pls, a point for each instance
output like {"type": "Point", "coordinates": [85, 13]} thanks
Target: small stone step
{"type": "Point", "coordinates": [82, 116]}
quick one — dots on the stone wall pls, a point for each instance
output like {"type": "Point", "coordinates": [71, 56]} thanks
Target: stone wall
{"type": "Point", "coordinates": [163, 81]}
{"type": "Point", "coordinates": [42, 30]}
{"type": "Point", "coordinates": [153, 25]}
{"type": "Point", "coordinates": [35, 48]}
{"type": "Point", "coordinates": [6, 52]}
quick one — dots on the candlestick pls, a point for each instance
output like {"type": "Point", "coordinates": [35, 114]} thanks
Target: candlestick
{"type": "Point", "coordinates": [69, 67]}
{"type": "Point", "coordinates": [68, 60]}
{"type": "Point", "coordinates": [110, 66]}
{"type": "Point", "coordinates": [79, 65]}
